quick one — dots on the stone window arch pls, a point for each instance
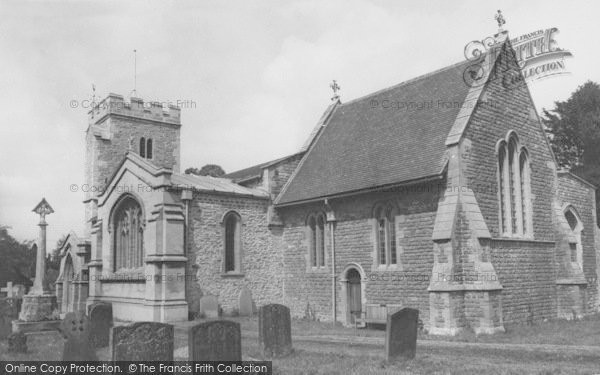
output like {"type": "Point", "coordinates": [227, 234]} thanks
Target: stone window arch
{"type": "Point", "coordinates": [576, 229]}
{"type": "Point", "coordinates": [385, 234]}
{"type": "Point", "coordinates": [128, 234]}
{"type": "Point", "coordinates": [316, 239]}
{"type": "Point", "coordinates": [514, 188]}
{"type": "Point", "coordinates": [149, 150]}
{"type": "Point", "coordinates": [143, 147]}
{"type": "Point", "coordinates": [232, 244]}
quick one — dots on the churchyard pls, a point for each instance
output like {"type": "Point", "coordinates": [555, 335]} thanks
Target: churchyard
{"type": "Point", "coordinates": [310, 347]}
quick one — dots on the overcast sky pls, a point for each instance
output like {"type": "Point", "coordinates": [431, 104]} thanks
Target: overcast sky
{"type": "Point", "coordinates": [257, 72]}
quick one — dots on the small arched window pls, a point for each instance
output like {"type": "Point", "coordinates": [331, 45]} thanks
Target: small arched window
{"type": "Point", "coordinates": [575, 227]}
{"type": "Point", "coordinates": [385, 228]}
{"type": "Point", "coordinates": [149, 148]}
{"type": "Point", "coordinates": [316, 239]}
{"type": "Point", "coordinates": [128, 233]}
{"type": "Point", "coordinates": [143, 147]}
{"type": "Point", "coordinates": [232, 251]}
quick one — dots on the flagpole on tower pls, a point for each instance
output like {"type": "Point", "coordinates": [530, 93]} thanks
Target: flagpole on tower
{"type": "Point", "coordinates": [134, 93]}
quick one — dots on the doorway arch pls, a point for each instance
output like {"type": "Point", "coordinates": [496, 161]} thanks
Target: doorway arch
{"type": "Point", "coordinates": [353, 295]}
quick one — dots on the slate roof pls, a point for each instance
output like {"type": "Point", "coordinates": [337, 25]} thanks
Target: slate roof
{"type": "Point", "coordinates": [214, 184]}
{"type": "Point", "coordinates": [254, 171]}
{"type": "Point", "coordinates": [186, 181]}
{"type": "Point", "coordinates": [364, 145]}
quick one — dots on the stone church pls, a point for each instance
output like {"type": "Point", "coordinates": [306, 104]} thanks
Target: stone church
{"type": "Point", "coordinates": [436, 193]}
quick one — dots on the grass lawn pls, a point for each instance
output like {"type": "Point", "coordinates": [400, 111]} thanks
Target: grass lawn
{"type": "Point", "coordinates": [326, 358]}
{"type": "Point", "coordinates": [558, 332]}
{"type": "Point", "coordinates": [349, 359]}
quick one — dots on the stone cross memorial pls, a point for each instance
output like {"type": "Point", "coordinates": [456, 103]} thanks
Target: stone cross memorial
{"type": "Point", "coordinates": [219, 340]}
{"type": "Point", "coordinates": [401, 334]}
{"type": "Point", "coordinates": [39, 303]}
{"type": "Point", "coordinates": [101, 320]}
{"type": "Point", "coordinates": [275, 330]}
{"type": "Point", "coordinates": [143, 341]}
{"type": "Point", "coordinates": [75, 328]}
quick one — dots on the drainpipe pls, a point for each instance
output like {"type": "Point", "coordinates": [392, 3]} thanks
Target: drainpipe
{"type": "Point", "coordinates": [186, 197]}
{"type": "Point", "coordinates": [331, 222]}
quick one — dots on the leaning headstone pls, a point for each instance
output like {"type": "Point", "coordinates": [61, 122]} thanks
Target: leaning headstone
{"type": "Point", "coordinates": [17, 342]}
{"type": "Point", "coordinates": [245, 301]}
{"type": "Point", "coordinates": [143, 341]}
{"type": "Point", "coordinates": [101, 320]}
{"type": "Point", "coordinates": [401, 334]}
{"type": "Point", "coordinates": [275, 330]}
{"type": "Point", "coordinates": [75, 328]}
{"type": "Point", "coordinates": [18, 291]}
{"type": "Point", "coordinates": [9, 311]}
{"type": "Point", "coordinates": [209, 306]}
{"type": "Point", "coordinates": [218, 340]}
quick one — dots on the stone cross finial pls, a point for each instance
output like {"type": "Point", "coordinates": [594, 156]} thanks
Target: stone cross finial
{"type": "Point", "coordinates": [40, 286]}
{"type": "Point", "coordinates": [500, 19]}
{"type": "Point", "coordinates": [43, 208]}
{"type": "Point", "coordinates": [335, 87]}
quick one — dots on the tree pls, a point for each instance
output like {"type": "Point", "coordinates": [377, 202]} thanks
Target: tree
{"type": "Point", "coordinates": [574, 131]}
{"type": "Point", "coordinates": [17, 259]}
{"type": "Point", "coordinates": [208, 170]}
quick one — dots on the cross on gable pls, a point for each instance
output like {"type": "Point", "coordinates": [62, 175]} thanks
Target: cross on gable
{"type": "Point", "coordinates": [500, 19]}
{"type": "Point", "coordinates": [335, 87]}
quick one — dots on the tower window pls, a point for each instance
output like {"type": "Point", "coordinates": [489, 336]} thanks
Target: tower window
{"type": "Point", "coordinates": [143, 147]}
{"type": "Point", "coordinates": [146, 148]}
{"type": "Point", "coordinates": [149, 148]}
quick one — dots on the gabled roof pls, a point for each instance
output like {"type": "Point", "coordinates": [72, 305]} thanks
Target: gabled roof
{"type": "Point", "coordinates": [213, 184]}
{"type": "Point", "coordinates": [391, 136]}
{"type": "Point", "coordinates": [157, 177]}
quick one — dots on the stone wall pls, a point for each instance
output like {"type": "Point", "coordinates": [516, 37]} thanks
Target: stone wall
{"type": "Point", "coordinates": [581, 196]}
{"type": "Point", "coordinates": [262, 263]}
{"type": "Point", "coordinates": [524, 267]}
{"type": "Point", "coordinates": [525, 270]}
{"type": "Point", "coordinates": [308, 291]}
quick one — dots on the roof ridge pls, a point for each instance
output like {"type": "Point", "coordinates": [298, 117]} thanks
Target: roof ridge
{"type": "Point", "coordinates": [409, 81]}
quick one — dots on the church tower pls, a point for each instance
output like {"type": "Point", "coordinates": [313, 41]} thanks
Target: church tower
{"type": "Point", "coordinates": [116, 127]}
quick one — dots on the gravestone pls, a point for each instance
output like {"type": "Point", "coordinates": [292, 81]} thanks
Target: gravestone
{"type": "Point", "coordinates": [209, 306]}
{"type": "Point", "coordinates": [218, 340]}
{"type": "Point", "coordinates": [275, 330]}
{"type": "Point", "coordinates": [9, 311]}
{"type": "Point", "coordinates": [245, 300]}
{"type": "Point", "coordinates": [17, 342]}
{"type": "Point", "coordinates": [8, 289]}
{"type": "Point", "coordinates": [75, 328]}
{"type": "Point", "coordinates": [401, 334]}
{"type": "Point", "coordinates": [18, 291]}
{"type": "Point", "coordinates": [101, 320]}
{"type": "Point", "coordinates": [143, 341]}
